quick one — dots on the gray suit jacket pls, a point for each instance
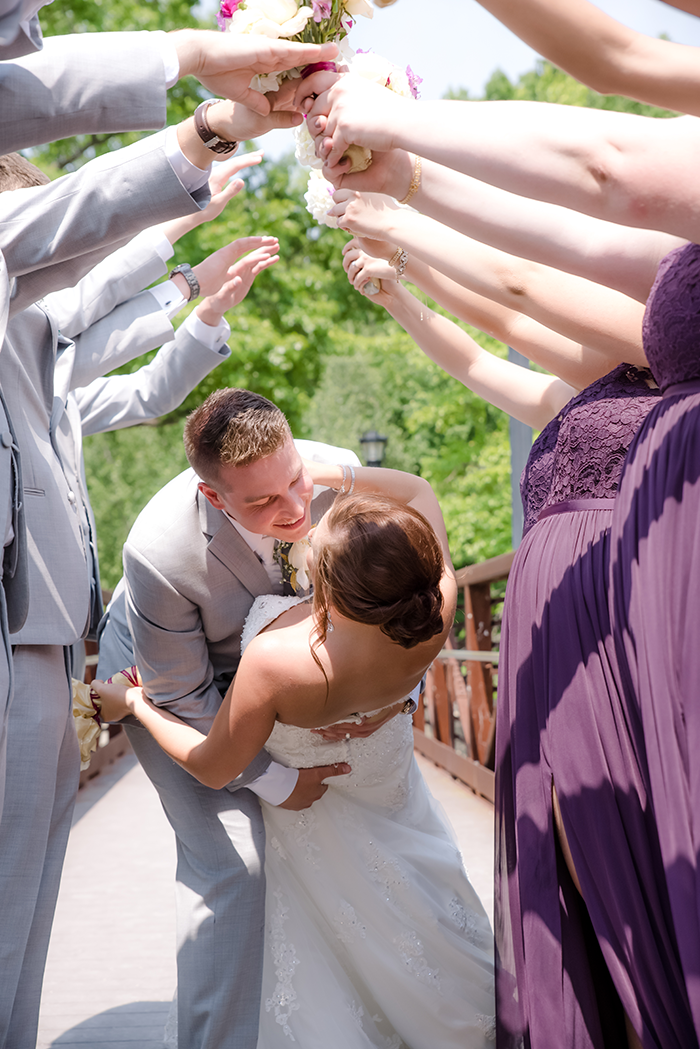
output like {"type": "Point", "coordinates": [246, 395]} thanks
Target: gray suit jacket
{"type": "Point", "coordinates": [80, 84]}
{"type": "Point", "coordinates": [63, 567]}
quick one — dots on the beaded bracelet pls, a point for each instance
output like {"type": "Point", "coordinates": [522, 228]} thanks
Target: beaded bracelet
{"type": "Point", "coordinates": [398, 260]}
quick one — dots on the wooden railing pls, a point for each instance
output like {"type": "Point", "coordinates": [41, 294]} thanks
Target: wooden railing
{"type": "Point", "coordinates": [455, 724]}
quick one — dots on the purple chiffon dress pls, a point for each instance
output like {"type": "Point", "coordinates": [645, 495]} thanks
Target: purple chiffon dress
{"type": "Point", "coordinates": [564, 968]}
{"type": "Point", "coordinates": [656, 589]}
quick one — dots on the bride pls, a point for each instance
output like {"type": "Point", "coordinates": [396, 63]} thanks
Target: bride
{"type": "Point", "coordinates": [374, 938]}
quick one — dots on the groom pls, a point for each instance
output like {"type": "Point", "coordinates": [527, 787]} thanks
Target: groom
{"type": "Point", "coordinates": [198, 555]}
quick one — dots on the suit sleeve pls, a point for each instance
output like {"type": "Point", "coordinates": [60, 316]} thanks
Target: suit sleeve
{"type": "Point", "coordinates": [118, 401]}
{"type": "Point", "coordinates": [114, 280]}
{"type": "Point", "coordinates": [170, 646]}
{"type": "Point", "coordinates": [52, 235]}
{"type": "Point", "coordinates": [82, 84]}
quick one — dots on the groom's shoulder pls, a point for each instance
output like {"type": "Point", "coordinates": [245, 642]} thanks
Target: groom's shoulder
{"type": "Point", "coordinates": [171, 512]}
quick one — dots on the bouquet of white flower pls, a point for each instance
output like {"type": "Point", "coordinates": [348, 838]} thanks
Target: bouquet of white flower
{"type": "Point", "coordinates": [318, 23]}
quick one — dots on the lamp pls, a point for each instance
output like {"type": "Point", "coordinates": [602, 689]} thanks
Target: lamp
{"type": "Point", "coordinates": [373, 446]}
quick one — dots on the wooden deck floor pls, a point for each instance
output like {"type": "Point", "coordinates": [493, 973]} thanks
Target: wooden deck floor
{"type": "Point", "coordinates": [111, 966]}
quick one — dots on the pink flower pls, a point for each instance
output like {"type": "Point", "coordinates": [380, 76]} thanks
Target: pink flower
{"type": "Point", "coordinates": [414, 81]}
{"type": "Point", "coordinates": [227, 10]}
{"type": "Point", "coordinates": [322, 9]}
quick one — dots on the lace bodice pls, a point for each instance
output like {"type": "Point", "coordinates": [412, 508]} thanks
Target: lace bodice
{"type": "Point", "coordinates": [374, 760]}
{"type": "Point", "coordinates": [580, 453]}
{"type": "Point", "coordinates": [672, 320]}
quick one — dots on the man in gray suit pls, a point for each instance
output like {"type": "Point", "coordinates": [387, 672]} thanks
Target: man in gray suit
{"type": "Point", "coordinates": [42, 764]}
{"type": "Point", "coordinates": [195, 560]}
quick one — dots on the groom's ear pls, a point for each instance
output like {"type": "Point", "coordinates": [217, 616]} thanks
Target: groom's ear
{"type": "Point", "coordinates": [211, 495]}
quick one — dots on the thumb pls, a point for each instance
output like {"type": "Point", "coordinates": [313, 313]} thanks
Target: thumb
{"type": "Point", "coordinates": [326, 771]}
{"type": "Point", "coordinates": [284, 118]}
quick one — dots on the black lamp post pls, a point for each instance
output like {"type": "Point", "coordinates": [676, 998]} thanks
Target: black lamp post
{"type": "Point", "coordinates": [373, 446]}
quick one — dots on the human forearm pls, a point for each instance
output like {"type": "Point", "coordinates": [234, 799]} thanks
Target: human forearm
{"type": "Point", "coordinates": [620, 257]}
{"type": "Point", "coordinates": [602, 319]}
{"type": "Point", "coordinates": [529, 396]}
{"type": "Point", "coordinates": [617, 166]}
{"type": "Point", "coordinates": [603, 53]}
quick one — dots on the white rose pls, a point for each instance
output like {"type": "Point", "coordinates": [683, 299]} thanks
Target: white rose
{"type": "Point", "coordinates": [271, 18]}
{"type": "Point", "coordinates": [372, 67]}
{"type": "Point", "coordinates": [306, 148]}
{"type": "Point", "coordinates": [319, 199]}
{"type": "Point", "coordinates": [360, 7]}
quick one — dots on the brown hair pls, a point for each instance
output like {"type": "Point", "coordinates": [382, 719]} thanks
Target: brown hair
{"type": "Point", "coordinates": [18, 173]}
{"type": "Point", "coordinates": [232, 428]}
{"type": "Point", "coordinates": [380, 564]}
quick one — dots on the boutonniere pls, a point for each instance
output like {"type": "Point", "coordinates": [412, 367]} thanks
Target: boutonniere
{"type": "Point", "coordinates": [291, 558]}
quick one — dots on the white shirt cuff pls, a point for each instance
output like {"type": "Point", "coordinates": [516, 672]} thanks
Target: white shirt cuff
{"type": "Point", "coordinates": [276, 783]}
{"type": "Point", "coordinates": [168, 53]}
{"type": "Point", "coordinates": [169, 298]}
{"type": "Point", "coordinates": [156, 240]}
{"type": "Point", "coordinates": [191, 177]}
{"type": "Point", "coordinates": [213, 337]}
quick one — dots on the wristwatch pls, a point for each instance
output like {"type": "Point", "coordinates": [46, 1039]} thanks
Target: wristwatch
{"type": "Point", "coordinates": [210, 139]}
{"type": "Point", "coordinates": [186, 270]}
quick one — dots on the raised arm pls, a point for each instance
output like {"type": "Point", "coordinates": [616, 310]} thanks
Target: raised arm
{"type": "Point", "coordinates": [529, 396]}
{"type": "Point", "coordinates": [606, 321]}
{"type": "Point", "coordinates": [618, 256]}
{"type": "Point", "coordinates": [576, 364]}
{"type": "Point", "coordinates": [624, 168]}
{"type": "Point", "coordinates": [608, 56]}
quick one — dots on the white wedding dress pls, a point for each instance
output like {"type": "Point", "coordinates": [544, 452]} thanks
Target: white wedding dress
{"type": "Point", "coordinates": [374, 937]}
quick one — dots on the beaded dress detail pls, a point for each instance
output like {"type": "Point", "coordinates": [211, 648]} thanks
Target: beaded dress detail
{"type": "Point", "coordinates": [374, 936]}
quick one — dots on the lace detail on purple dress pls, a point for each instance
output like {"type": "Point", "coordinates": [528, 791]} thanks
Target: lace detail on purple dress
{"type": "Point", "coordinates": [580, 454]}
{"type": "Point", "coordinates": [671, 327]}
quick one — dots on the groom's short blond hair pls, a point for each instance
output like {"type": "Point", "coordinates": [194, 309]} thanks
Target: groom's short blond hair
{"type": "Point", "coordinates": [232, 428]}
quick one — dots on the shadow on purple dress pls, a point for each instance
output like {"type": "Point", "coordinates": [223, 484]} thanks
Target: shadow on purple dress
{"type": "Point", "coordinates": [656, 589]}
{"type": "Point", "coordinates": [561, 719]}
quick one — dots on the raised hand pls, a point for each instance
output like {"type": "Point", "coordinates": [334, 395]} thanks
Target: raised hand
{"type": "Point", "coordinates": [226, 62]}
{"type": "Point", "coordinates": [349, 110]}
{"type": "Point", "coordinates": [362, 267]}
{"type": "Point", "coordinates": [215, 270]}
{"type": "Point", "coordinates": [235, 289]}
{"type": "Point", "coordinates": [310, 786]}
{"type": "Point", "coordinates": [364, 214]}
{"type": "Point", "coordinates": [222, 191]}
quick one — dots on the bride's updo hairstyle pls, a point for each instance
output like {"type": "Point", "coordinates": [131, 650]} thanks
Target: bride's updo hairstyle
{"type": "Point", "coordinates": [380, 563]}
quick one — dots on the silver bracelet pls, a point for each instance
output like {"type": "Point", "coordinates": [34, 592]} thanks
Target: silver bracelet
{"type": "Point", "coordinates": [341, 490]}
{"type": "Point", "coordinates": [352, 479]}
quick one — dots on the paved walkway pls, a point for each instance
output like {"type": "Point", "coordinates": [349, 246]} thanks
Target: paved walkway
{"type": "Point", "coordinates": [111, 966]}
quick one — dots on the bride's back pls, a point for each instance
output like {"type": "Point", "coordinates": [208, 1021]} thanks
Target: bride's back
{"type": "Point", "coordinates": [383, 605]}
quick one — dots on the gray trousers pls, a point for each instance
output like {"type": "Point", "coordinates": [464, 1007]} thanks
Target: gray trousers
{"type": "Point", "coordinates": [220, 887]}
{"type": "Point", "coordinates": [220, 897]}
{"type": "Point", "coordinates": [43, 766]}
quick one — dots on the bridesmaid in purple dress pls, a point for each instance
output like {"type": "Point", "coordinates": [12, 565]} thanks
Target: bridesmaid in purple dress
{"type": "Point", "coordinates": [656, 579]}
{"type": "Point", "coordinates": [562, 724]}
{"type": "Point", "coordinates": [560, 716]}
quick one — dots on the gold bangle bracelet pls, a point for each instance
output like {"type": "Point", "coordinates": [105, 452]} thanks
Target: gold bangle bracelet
{"type": "Point", "coordinates": [415, 181]}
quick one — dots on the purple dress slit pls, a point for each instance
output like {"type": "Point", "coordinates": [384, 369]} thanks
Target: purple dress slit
{"type": "Point", "coordinates": [656, 589]}
{"type": "Point", "coordinates": [564, 968]}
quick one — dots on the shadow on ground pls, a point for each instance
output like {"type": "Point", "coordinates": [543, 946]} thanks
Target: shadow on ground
{"type": "Point", "coordinates": [138, 1025]}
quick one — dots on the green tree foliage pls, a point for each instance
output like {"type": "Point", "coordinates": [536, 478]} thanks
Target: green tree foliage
{"type": "Point", "coordinates": [334, 361]}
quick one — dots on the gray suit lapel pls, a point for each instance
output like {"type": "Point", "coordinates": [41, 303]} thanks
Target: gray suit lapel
{"type": "Point", "coordinates": [229, 547]}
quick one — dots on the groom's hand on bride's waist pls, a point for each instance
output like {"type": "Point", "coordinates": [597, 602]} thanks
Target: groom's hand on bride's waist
{"type": "Point", "coordinates": [310, 786]}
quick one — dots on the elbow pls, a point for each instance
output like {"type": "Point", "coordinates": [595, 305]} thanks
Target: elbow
{"type": "Point", "coordinates": [214, 780]}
